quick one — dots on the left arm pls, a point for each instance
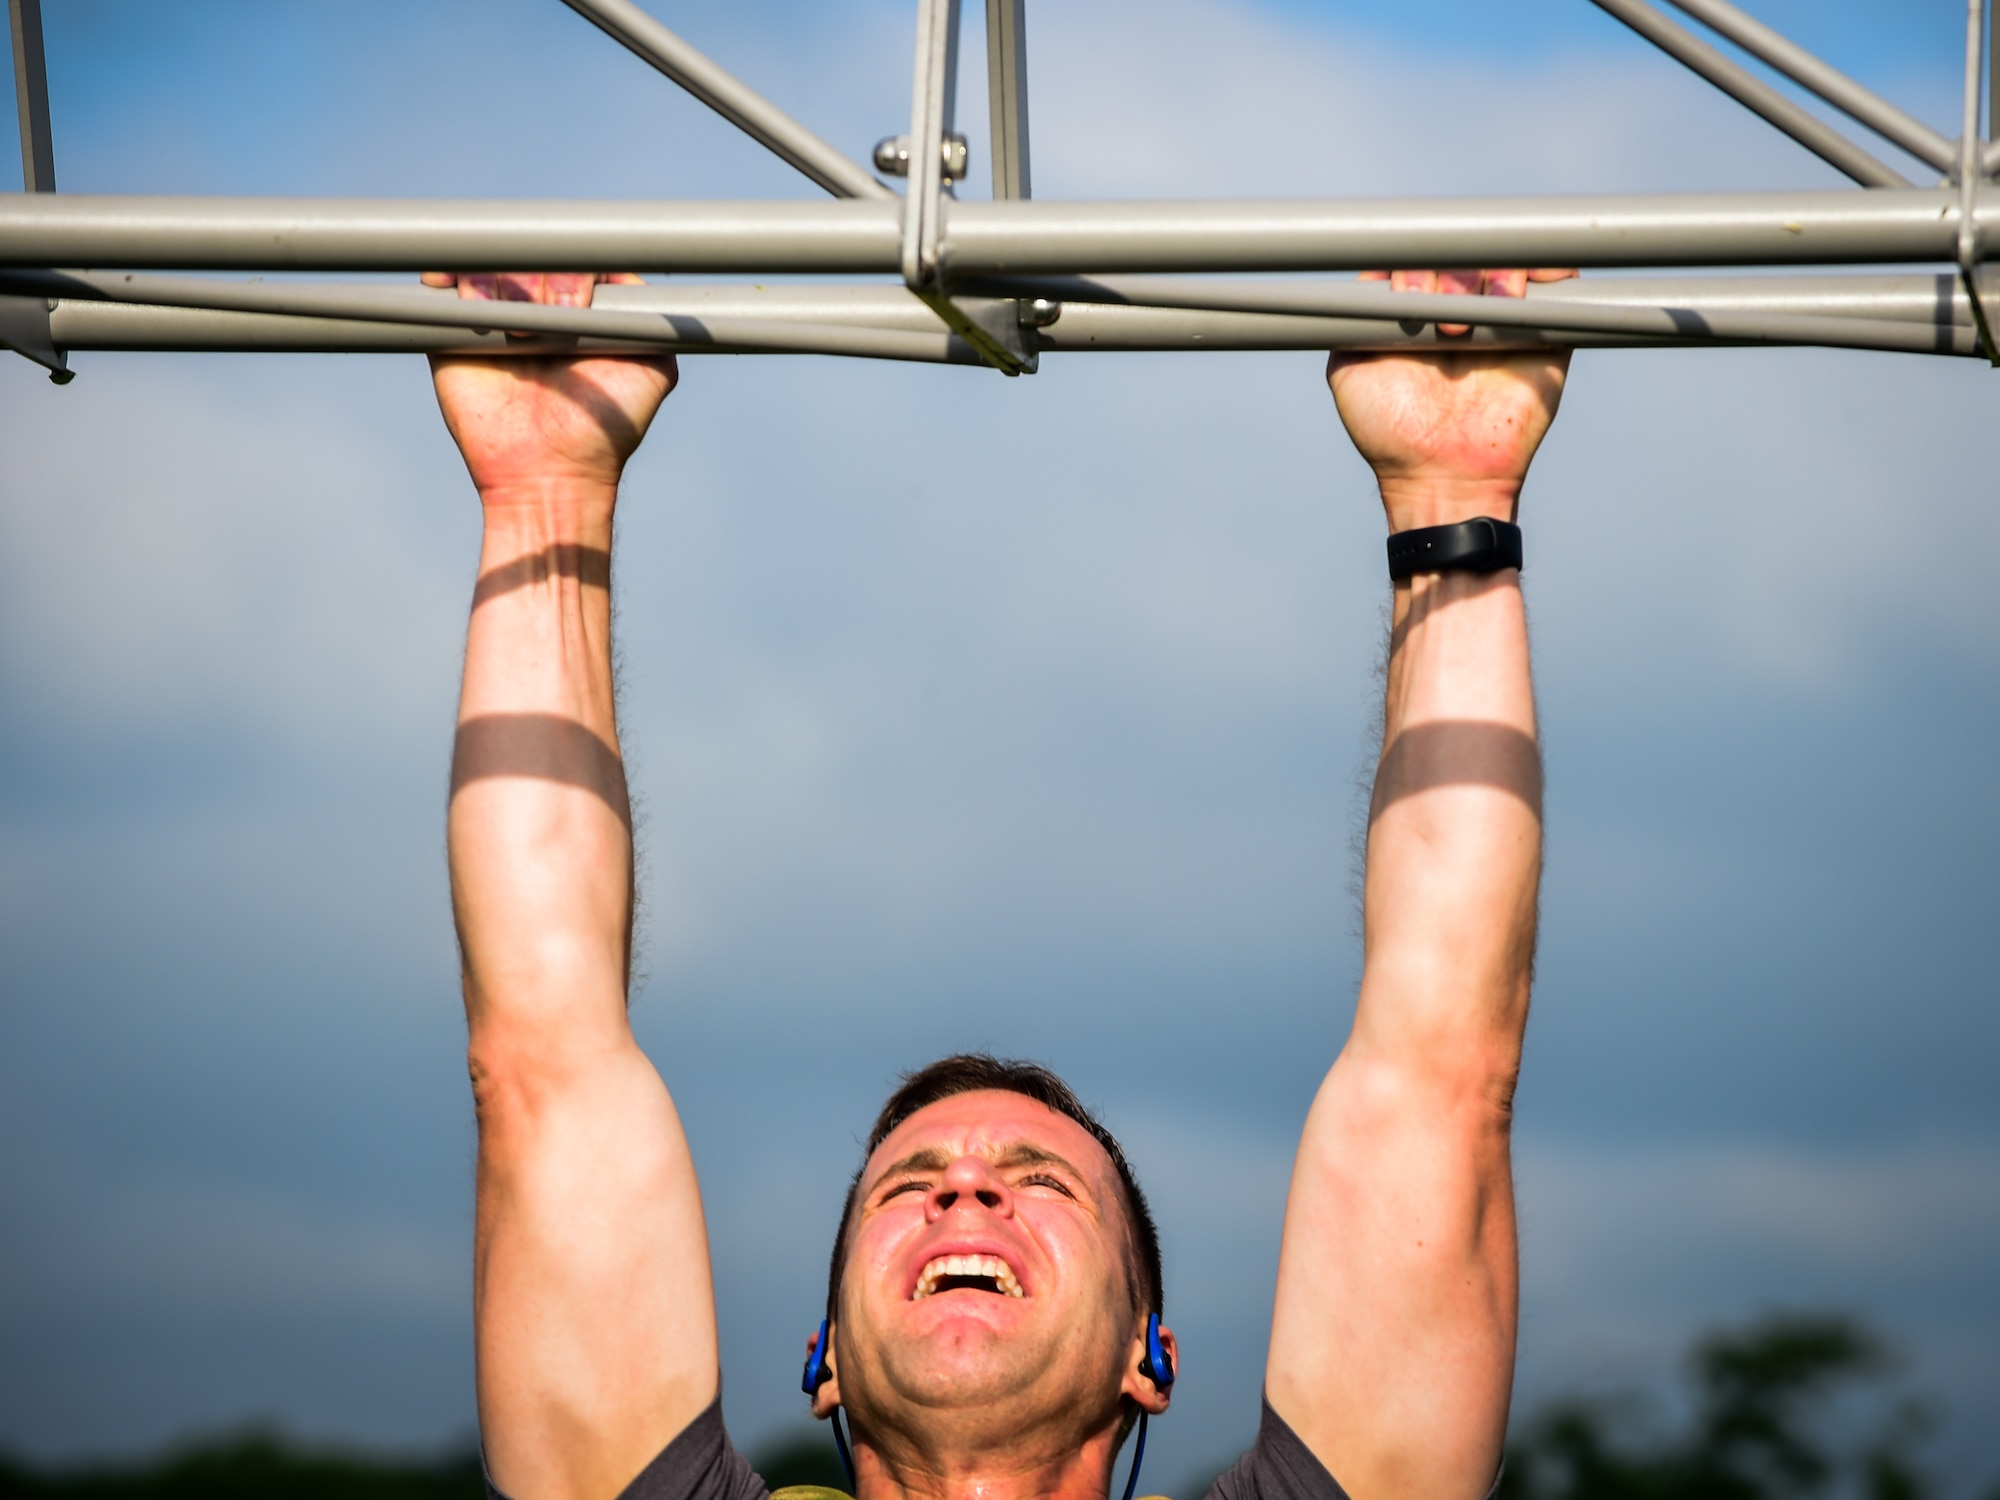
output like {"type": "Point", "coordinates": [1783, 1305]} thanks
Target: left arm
{"type": "Point", "coordinates": [1392, 1343]}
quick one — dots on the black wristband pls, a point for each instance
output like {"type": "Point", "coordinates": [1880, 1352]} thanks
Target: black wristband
{"type": "Point", "coordinates": [1481, 545]}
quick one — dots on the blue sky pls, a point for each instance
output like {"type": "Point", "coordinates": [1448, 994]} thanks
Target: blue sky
{"type": "Point", "coordinates": [968, 712]}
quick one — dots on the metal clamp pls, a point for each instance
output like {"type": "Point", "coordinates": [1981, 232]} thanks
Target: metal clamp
{"type": "Point", "coordinates": [26, 328]}
{"type": "Point", "coordinates": [892, 157]}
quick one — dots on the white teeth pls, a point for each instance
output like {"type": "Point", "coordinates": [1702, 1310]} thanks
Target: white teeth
{"type": "Point", "coordinates": [967, 1265]}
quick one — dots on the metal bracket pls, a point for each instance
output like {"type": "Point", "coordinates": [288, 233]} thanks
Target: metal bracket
{"type": "Point", "coordinates": [25, 328]}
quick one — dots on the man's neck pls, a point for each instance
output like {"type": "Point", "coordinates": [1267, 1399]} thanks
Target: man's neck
{"type": "Point", "coordinates": [1021, 1470]}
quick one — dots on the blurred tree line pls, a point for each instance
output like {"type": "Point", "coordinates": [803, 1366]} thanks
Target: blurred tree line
{"type": "Point", "coordinates": [1786, 1408]}
{"type": "Point", "coordinates": [1774, 1409]}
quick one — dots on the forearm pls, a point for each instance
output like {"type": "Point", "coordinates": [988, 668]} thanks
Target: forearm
{"type": "Point", "coordinates": [539, 825]}
{"type": "Point", "coordinates": [1454, 842]}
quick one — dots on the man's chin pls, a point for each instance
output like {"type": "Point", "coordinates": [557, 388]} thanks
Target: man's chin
{"type": "Point", "coordinates": [968, 1359]}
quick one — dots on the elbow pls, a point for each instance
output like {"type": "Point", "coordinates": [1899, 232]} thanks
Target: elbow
{"type": "Point", "coordinates": [1463, 1087]}
{"type": "Point", "coordinates": [519, 1067]}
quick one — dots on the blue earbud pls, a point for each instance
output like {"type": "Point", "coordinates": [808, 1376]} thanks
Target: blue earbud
{"type": "Point", "coordinates": [816, 1375]}
{"type": "Point", "coordinates": [1158, 1367]}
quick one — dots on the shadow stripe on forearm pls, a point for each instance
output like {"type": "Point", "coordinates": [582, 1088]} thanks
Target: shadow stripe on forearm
{"type": "Point", "coordinates": [545, 747]}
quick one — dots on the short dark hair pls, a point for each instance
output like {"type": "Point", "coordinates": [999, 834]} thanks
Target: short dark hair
{"type": "Point", "coordinates": [971, 1072]}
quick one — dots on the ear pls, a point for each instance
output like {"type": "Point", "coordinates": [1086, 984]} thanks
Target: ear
{"type": "Point", "coordinates": [1151, 1398]}
{"type": "Point", "coordinates": [827, 1397]}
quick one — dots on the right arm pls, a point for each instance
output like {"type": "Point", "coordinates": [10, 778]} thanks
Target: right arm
{"type": "Point", "coordinates": [593, 1302]}
{"type": "Point", "coordinates": [1392, 1346]}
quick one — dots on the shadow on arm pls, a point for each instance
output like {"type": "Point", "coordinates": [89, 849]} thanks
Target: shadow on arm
{"type": "Point", "coordinates": [590, 566]}
{"type": "Point", "coordinates": [545, 747]}
{"type": "Point", "coordinates": [1459, 752]}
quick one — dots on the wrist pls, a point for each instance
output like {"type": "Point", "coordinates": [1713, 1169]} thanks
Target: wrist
{"type": "Point", "coordinates": [549, 509]}
{"type": "Point", "coordinates": [1412, 501]}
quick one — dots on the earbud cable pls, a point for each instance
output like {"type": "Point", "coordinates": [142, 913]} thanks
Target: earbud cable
{"type": "Point", "coordinates": [1138, 1457]}
{"type": "Point", "coordinates": [840, 1442]}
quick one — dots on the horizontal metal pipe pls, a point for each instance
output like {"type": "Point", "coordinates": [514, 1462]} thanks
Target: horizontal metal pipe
{"type": "Point", "coordinates": [1115, 328]}
{"type": "Point", "coordinates": [1754, 94]}
{"type": "Point", "coordinates": [349, 234]}
{"type": "Point", "coordinates": [738, 103]}
{"type": "Point", "coordinates": [1825, 228]}
{"type": "Point", "coordinates": [985, 238]}
{"type": "Point", "coordinates": [1828, 82]}
{"type": "Point", "coordinates": [1550, 317]}
{"type": "Point", "coordinates": [1908, 313]}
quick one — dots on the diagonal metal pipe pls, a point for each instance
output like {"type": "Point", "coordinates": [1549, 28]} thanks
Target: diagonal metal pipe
{"type": "Point", "coordinates": [739, 104]}
{"type": "Point", "coordinates": [427, 308]}
{"type": "Point", "coordinates": [1828, 82]}
{"type": "Point", "coordinates": [1754, 94]}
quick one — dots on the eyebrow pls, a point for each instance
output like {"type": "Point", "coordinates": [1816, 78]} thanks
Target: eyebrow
{"type": "Point", "coordinates": [936, 1159]}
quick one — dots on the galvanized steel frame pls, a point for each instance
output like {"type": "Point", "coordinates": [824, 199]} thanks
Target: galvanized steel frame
{"type": "Point", "coordinates": [998, 283]}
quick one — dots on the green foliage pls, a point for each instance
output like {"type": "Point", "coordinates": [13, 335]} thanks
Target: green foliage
{"type": "Point", "coordinates": [1760, 1428]}
{"type": "Point", "coordinates": [805, 1457]}
{"type": "Point", "coordinates": [254, 1466]}
{"type": "Point", "coordinates": [1763, 1422]}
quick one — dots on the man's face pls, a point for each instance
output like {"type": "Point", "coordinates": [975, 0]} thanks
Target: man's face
{"type": "Point", "coordinates": [987, 1276]}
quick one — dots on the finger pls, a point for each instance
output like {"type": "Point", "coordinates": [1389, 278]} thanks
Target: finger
{"type": "Point", "coordinates": [439, 278]}
{"type": "Point", "coordinates": [567, 288]}
{"type": "Point", "coordinates": [1506, 284]}
{"type": "Point", "coordinates": [1413, 281]}
{"type": "Point", "coordinates": [520, 286]}
{"type": "Point", "coordinates": [478, 286]}
{"type": "Point", "coordinates": [1558, 275]}
{"type": "Point", "coordinates": [1373, 276]}
{"type": "Point", "coordinates": [622, 278]}
{"type": "Point", "coordinates": [1458, 284]}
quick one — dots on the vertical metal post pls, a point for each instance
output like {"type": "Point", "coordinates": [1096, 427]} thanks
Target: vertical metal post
{"type": "Point", "coordinates": [1970, 175]}
{"type": "Point", "coordinates": [1007, 95]}
{"type": "Point", "coordinates": [1992, 84]}
{"type": "Point", "coordinates": [1002, 345]}
{"type": "Point", "coordinates": [935, 97]}
{"type": "Point", "coordinates": [31, 93]}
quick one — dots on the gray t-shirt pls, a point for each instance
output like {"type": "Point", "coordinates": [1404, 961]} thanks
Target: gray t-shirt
{"type": "Point", "coordinates": [702, 1464]}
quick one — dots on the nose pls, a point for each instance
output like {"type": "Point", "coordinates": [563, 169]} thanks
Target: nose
{"type": "Point", "coordinates": [969, 1180]}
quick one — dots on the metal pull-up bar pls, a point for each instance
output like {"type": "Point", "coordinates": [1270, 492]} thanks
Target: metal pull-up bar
{"type": "Point", "coordinates": [984, 281]}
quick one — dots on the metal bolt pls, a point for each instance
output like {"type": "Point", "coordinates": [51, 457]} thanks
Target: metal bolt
{"type": "Point", "coordinates": [892, 156]}
{"type": "Point", "coordinates": [1039, 313]}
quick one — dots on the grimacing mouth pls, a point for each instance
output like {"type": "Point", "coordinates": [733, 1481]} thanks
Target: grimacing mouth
{"type": "Point", "coordinates": [973, 1273]}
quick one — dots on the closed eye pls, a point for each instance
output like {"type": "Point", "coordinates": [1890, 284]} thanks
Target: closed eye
{"type": "Point", "coordinates": [912, 1186]}
{"type": "Point", "coordinates": [1042, 1179]}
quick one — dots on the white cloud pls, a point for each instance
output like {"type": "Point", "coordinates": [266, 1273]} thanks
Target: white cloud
{"type": "Point", "coordinates": [184, 542]}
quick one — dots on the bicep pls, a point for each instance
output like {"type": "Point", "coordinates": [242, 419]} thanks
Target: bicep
{"type": "Point", "coordinates": [1392, 1339]}
{"type": "Point", "coordinates": [593, 1301]}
